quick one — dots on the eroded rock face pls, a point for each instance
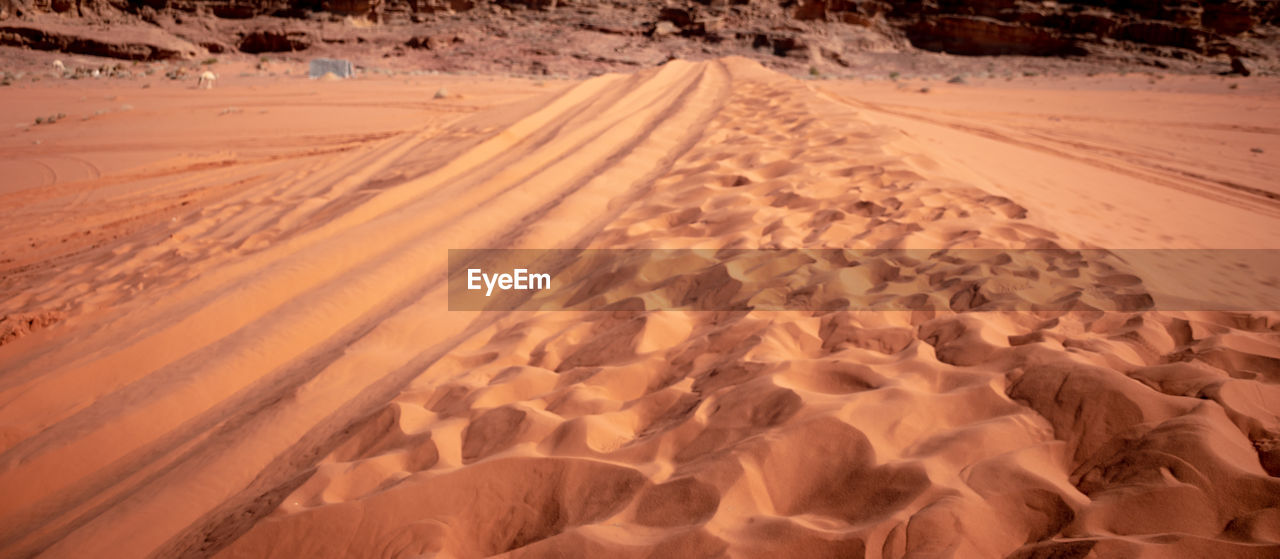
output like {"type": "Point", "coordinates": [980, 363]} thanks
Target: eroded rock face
{"type": "Point", "coordinates": [1024, 27]}
{"type": "Point", "coordinates": [801, 31]}
{"type": "Point", "coordinates": [982, 35]}
{"type": "Point", "coordinates": [1241, 66]}
{"type": "Point", "coordinates": [274, 41]}
{"type": "Point", "coordinates": [1163, 33]}
{"type": "Point", "coordinates": [1051, 28]}
{"type": "Point", "coordinates": [126, 42]}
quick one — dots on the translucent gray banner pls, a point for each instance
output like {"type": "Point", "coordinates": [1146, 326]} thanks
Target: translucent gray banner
{"type": "Point", "coordinates": [847, 279]}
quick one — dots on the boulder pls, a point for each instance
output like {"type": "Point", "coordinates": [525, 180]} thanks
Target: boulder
{"type": "Point", "coordinates": [426, 42]}
{"type": "Point", "coordinates": [665, 28]}
{"type": "Point", "coordinates": [214, 47]}
{"type": "Point", "coordinates": [1241, 66]}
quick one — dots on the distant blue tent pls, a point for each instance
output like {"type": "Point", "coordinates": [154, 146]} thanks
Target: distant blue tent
{"type": "Point", "coordinates": [322, 66]}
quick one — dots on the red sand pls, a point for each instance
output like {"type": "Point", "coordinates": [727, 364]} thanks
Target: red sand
{"type": "Point", "coordinates": [239, 344]}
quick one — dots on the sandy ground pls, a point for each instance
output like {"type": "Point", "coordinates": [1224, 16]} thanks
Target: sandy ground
{"type": "Point", "coordinates": [227, 329]}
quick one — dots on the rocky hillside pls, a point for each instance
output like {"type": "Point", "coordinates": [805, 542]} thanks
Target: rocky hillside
{"type": "Point", "coordinates": [576, 36]}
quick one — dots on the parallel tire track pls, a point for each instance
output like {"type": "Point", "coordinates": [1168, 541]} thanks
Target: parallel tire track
{"type": "Point", "coordinates": [273, 355]}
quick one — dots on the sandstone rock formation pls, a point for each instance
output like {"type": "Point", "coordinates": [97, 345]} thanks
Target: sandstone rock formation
{"type": "Point", "coordinates": [268, 40]}
{"type": "Point", "coordinates": [135, 42]}
{"type": "Point", "coordinates": [801, 30]}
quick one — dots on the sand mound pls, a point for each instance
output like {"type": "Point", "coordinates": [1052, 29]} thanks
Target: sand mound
{"type": "Point", "coordinates": [291, 384]}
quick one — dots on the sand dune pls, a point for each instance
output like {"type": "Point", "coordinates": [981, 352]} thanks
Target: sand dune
{"type": "Point", "coordinates": [247, 352]}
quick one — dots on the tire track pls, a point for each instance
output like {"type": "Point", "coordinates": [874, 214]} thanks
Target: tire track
{"type": "Point", "coordinates": [1228, 192]}
{"type": "Point", "coordinates": [363, 279]}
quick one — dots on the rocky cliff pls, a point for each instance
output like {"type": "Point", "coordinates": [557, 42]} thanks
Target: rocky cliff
{"type": "Point", "coordinates": [805, 31]}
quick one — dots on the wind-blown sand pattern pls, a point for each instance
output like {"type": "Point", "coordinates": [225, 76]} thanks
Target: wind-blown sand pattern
{"type": "Point", "coordinates": [251, 356]}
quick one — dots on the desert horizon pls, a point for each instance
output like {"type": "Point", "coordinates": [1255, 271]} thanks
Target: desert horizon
{"type": "Point", "coordinates": [922, 305]}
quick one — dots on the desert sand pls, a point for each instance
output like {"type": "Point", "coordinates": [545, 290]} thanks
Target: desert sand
{"type": "Point", "coordinates": [228, 332]}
